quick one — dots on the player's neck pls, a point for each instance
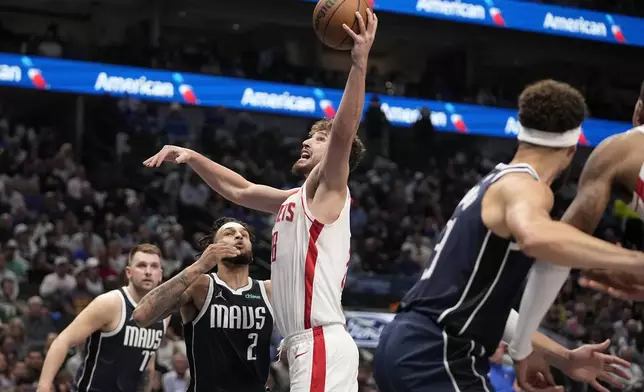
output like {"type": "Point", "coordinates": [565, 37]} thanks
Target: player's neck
{"type": "Point", "coordinates": [134, 293]}
{"type": "Point", "coordinates": [235, 277]}
{"type": "Point", "coordinates": [543, 163]}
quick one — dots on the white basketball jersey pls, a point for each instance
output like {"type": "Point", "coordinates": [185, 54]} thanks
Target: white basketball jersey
{"type": "Point", "coordinates": [309, 263]}
{"type": "Point", "coordinates": [637, 202]}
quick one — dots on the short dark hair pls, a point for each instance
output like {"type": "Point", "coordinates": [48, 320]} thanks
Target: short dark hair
{"type": "Point", "coordinates": [358, 149]}
{"type": "Point", "coordinates": [551, 106]}
{"type": "Point", "coordinates": [209, 238]}
{"type": "Point", "coordinates": [642, 92]}
{"type": "Point", "coordinates": [143, 248]}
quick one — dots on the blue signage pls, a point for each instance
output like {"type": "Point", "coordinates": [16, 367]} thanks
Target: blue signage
{"type": "Point", "coordinates": [526, 16]}
{"type": "Point", "coordinates": [243, 94]}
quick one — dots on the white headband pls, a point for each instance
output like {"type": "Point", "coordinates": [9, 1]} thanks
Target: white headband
{"type": "Point", "coordinates": [549, 139]}
{"type": "Point", "coordinates": [231, 225]}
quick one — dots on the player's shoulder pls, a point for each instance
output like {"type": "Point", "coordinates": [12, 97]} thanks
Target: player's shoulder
{"type": "Point", "coordinates": [607, 158]}
{"type": "Point", "coordinates": [522, 186]}
{"type": "Point", "coordinates": [112, 299]}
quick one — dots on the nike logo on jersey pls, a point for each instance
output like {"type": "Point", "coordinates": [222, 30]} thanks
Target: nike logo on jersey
{"type": "Point", "coordinates": [300, 354]}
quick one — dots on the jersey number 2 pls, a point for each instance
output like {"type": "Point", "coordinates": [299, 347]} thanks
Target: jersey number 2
{"type": "Point", "coordinates": [251, 349]}
{"type": "Point", "coordinates": [146, 358]}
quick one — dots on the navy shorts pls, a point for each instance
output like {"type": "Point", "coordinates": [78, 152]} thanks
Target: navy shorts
{"type": "Point", "coordinates": [415, 355]}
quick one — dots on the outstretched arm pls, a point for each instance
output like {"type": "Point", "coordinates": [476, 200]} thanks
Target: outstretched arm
{"type": "Point", "coordinates": [334, 168]}
{"type": "Point", "coordinates": [528, 220]}
{"type": "Point", "coordinates": [96, 316]}
{"type": "Point", "coordinates": [171, 295]}
{"type": "Point", "coordinates": [224, 181]}
{"type": "Point", "coordinates": [546, 279]}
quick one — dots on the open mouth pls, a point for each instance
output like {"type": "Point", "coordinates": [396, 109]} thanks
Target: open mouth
{"type": "Point", "coordinates": [305, 154]}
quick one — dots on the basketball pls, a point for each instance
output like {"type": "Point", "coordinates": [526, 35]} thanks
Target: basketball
{"type": "Point", "coordinates": [328, 17]}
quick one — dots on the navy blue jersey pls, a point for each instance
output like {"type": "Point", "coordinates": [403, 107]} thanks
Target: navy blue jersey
{"type": "Point", "coordinates": [114, 361]}
{"type": "Point", "coordinates": [474, 276]}
{"type": "Point", "coordinates": [229, 341]}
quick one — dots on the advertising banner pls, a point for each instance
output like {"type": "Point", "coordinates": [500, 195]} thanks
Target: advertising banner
{"type": "Point", "coordinates": [243, 94]}
{"type": "Point", "coordinates": [526, 16]}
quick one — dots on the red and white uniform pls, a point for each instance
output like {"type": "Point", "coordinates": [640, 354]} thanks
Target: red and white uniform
{"type": "Point", "coordinates": [308, 268]}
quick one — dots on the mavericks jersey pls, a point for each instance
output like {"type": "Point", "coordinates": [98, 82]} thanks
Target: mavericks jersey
{"type": "Point", "coordinates": [228, 343]}
{"type": "Point", "coordinates": [474, 277]}
{"type": "Point", "coordinates": [309, 263]}
{"type": "Point", "coordinates": [114, 361]}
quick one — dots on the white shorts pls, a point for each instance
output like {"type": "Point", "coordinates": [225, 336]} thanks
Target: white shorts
{"type": "Point", "coordinates": [322, 359]}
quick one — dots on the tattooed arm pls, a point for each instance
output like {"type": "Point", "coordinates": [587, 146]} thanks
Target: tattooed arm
{"type": "Point", "coordinates": [171, 295]}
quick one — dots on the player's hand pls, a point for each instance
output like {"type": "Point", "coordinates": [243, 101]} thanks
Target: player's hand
{"type": "Point", "coordinates": [589, 364]}
{"type": "Point", "coordinates": [169, 153]}
{"type": "Point", "coordinates": [617, 284]}
{"type": "Point", "coordinates": [362, 42]}
{"type": "Point", "coordinates": [533, 374]}
{"type": "Point", "coordinates": [215, 253]}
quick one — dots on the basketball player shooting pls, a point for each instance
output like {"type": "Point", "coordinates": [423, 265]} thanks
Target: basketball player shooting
{"type": "Point", "coordinates": [617, 164]}
{"type": "Point", "coordinates": [311, 236]}
{"type": "Point", "coordinates": [227, 317]}
{"type": "Point", "coordinates": [455, 316]}
{"type": "Point", "coordinates": [119, 354]}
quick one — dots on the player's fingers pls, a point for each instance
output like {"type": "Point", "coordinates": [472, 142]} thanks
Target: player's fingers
{"type": "Point", "coordinates": [158, 156]}
{"type": "Point", "coordinates": [369, 21]}
{"type": "Point", "coordinates": [619, 294]}
{"type": "Point", "coordinates": [595, 285]}
{"type": "Point", "coordinates": [619, 372]}
{"type": "Point", "coordinates": [350, 32]}
{"type": "Point", "coordinates": [374, 26]}
{"type": "Point", "coordinates": [361, 22]}
{"type": "Point", "coordinates": [182, 158]}
{"type": "Point", "coordinates": [601, 347]}
{"type": "Point", "coordinates": [611, 359]}
{"type": "Point", "coordinates": [607, 378]}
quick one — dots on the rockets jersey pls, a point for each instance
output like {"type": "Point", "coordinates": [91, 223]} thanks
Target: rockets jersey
{"type": "Point", "coordinates": [228, 343]}
{"type": "Point", "coordinates": [114, 361]}
{"type": "Point", "coordinates": [309, 263]}
{"type": "Point", "coordinates": [637, 202]}
{"type": "Point", "coordinates": [474, 277]}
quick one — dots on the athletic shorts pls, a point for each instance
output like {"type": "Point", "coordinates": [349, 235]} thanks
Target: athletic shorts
{"type": "Point", "coordinates": [322, 359]}
{"type": "Point", "coordinates": [415, 355]}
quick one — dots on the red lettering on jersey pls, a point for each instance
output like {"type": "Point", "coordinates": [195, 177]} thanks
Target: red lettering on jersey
{"type": "Point", "coordinates": [280, 213]}
{"type": "Point", "coordinates": [291, 213]}
{"type": "Point", "coordinates": [274, 247]}
{"type": "Point", "coordinates": [286, 212]}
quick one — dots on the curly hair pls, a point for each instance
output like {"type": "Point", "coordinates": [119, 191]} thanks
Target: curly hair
{"type": "Point", "coordinates": [209, 238]}
{"type": "Point", "coordinates": [551, 106]}
{"type": "Point", "coordinates": [358, 149]}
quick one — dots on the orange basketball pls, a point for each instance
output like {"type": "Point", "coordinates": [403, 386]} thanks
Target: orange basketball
{"type": "Point", "coordinates": [328, 17]}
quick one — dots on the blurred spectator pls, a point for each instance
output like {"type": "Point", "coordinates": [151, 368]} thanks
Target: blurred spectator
{"type": "Point", "coordinates": [37, 322]}
{"type": "Point", "coordinates": [375, 125]}
{"type": "Point", "coordinates": [60, 282]}
{"type": "Point", "coordinates": [178, 379]}
{"type": "Point", "coordinates": [50, 45]}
